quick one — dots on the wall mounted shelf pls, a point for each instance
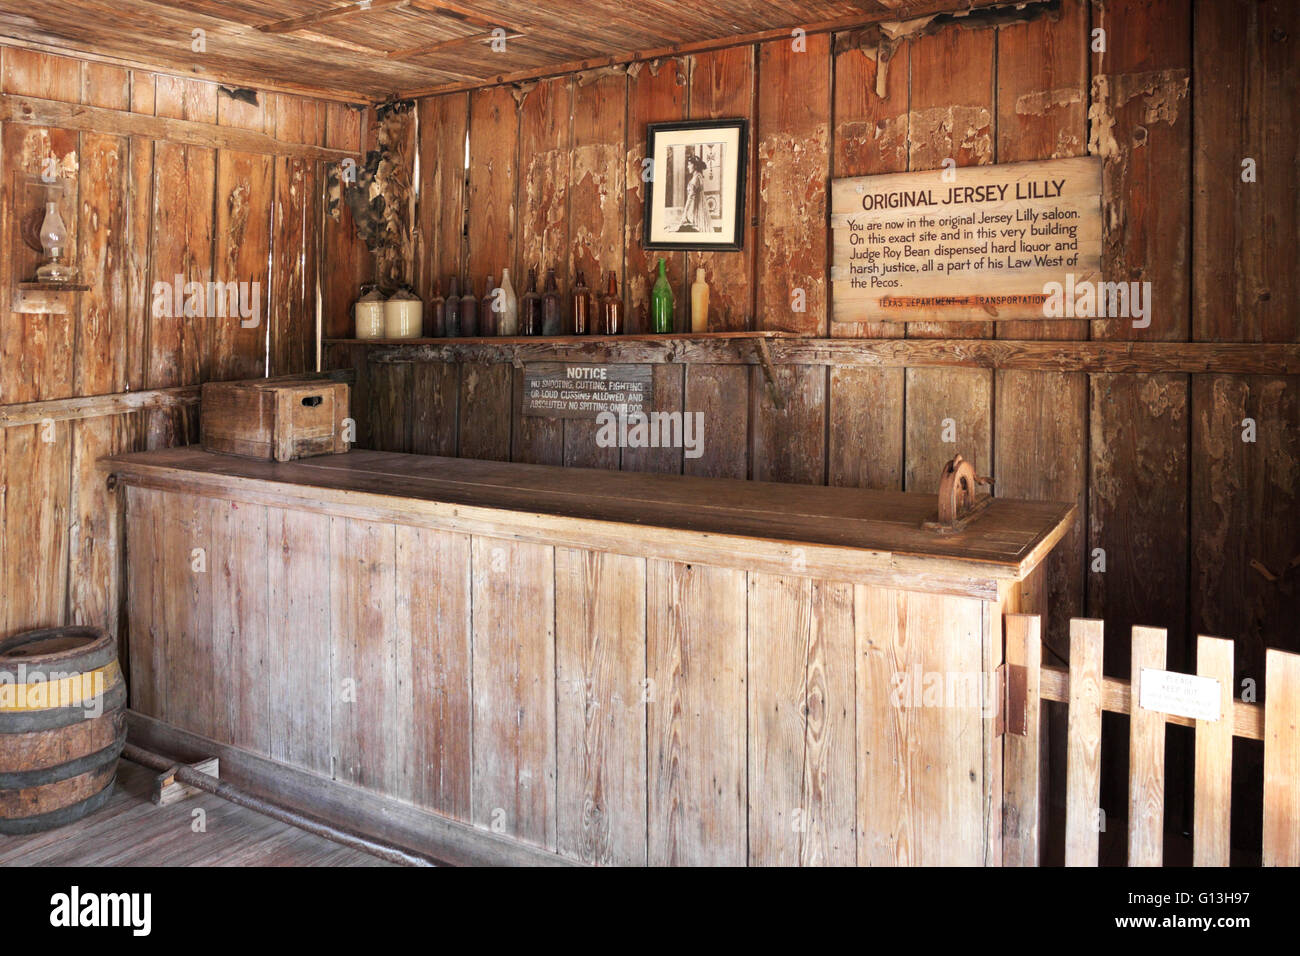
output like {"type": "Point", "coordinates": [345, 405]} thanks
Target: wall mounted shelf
{"type": "Point", "coordinates": [46, 298]}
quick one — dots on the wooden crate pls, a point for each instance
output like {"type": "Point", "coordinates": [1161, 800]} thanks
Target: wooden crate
{"type": "Point", "coordinates": [276, 418]}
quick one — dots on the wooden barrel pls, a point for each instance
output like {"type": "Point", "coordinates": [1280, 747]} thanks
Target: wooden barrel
{"type": "Point", "coordinates": [62, 726]}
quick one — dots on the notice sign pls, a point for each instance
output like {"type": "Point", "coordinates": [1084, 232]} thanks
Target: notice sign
{"type": "Point", "coordinates": [1184, 695]}
{"type": "Point", "coordinates": [977, 242]}
{"type": "Point", "coordinates": [557, 390]}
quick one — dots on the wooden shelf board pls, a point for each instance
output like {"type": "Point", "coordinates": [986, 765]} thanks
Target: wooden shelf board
{"type": "Point", "coordinates": [567, 339]}
{"type": "Point", "coordinates": [55, 286]}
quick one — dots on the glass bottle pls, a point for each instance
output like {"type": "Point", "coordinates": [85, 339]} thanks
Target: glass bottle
{"type": "Point", "coordinates": [611, 307]}
{"type": "Point", "coordinates": [437, 312]}
{"type": "Point", "coordinates": [552, 317]}
{"type": "Point", "coordinates": [530, 308]}
{"type": "Point", "coordinates": [582, 307]}
{"type": "Point", "coordinates": [508, 318]}
{"type": "Point", "coordinates": [661, 304]}
{"type": "Point", "coordinates": [469, 310]}
{"type": "Point", "coordinates": [452, 324]}
{"type": "Point", "coordinates": [699, 303]}
{"type": "Point", "coordinates": [487, 315]}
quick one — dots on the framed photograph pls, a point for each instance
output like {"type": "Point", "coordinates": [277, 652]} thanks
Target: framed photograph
{"type": "Point", "coordinates": [697, 193]}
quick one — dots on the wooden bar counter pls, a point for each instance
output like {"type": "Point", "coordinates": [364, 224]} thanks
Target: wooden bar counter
{"type": "Point", "coordinates": [621, 668]}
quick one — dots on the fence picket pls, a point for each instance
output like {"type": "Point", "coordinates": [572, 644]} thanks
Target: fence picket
{"type": "Point", "coordinates": [1146, 749]}
{"type": "Point", "coordinates": [1211, 828]}
{"type": "Point", "coordinates": [1083, 754]}
{"type": "Point", "coordinates": [1020, 754]}
{"type": "Point", "coordinates": [1281, 759]}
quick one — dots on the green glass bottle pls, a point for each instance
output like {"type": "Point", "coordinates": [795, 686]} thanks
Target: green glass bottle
{"type": "Point", "coordinates": [661, 304]}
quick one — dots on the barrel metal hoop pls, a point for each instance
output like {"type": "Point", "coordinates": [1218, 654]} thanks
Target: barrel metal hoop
{"type": "Point", "coordinates": [18, 826]}
{"type": "Point", "coordinates": [25, 721]}
{"type": "Point", "coordinates": [25, 779]}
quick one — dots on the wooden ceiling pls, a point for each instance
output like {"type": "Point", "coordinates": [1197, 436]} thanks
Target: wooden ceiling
{"type": "Point", "coordinates": [368, 50]}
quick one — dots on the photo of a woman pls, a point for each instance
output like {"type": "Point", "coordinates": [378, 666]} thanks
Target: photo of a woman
{"type": "Point", "coordinates": [695, 213]}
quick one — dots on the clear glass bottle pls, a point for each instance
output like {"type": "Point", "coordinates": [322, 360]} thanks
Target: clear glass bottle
{"type": "Point", "coordinates": [508, 318]}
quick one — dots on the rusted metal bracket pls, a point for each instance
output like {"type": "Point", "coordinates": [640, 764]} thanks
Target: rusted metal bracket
{"type": "Point", "coordinates": [959, 502]}
{"type": "Point", "coordinates": [769, 372]}
{"type": "Point", "coordinates": [1015, 699]}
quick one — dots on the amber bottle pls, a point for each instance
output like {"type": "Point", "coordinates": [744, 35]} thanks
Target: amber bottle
{"type": "Point", "coordinates": [611, 307]}
{"type": "Point", "coordinates": [552, 314]}
{"type": "Point", "coordinates": [452, 323]}
{"type": "Point", "coordinates": [530, 308]}
{"type": "Point", "coordinates": [582, 307]}
{"type": "Point", "coordinates": [487, 317]}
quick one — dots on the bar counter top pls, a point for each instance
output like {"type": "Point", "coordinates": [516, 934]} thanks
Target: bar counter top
{"type": "Point", "coordinates": [841, 533]}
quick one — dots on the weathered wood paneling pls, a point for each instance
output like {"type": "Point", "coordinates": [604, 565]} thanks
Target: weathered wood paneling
{"type": "Point", "coordinates": [793, 171]}
{"type": "Point", "coordinates": [601, 693]}
{"type": "Point", "coordinates": [695, 664]}
{"type": "Point", "coordinates": [514, 689]}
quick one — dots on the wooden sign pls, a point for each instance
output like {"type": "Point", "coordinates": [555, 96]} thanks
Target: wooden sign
{"type": "Point", "coordinates": [977, 242]}
{"type": "Point", "coordinates": [558, 390]}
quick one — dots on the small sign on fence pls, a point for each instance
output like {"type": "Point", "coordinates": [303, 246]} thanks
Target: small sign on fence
{"type": "Point", "coordinates": [1183, 695]}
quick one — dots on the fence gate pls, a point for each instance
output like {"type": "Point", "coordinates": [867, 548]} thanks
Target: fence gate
{"type": "Point", "coordinates": [1088, 692]}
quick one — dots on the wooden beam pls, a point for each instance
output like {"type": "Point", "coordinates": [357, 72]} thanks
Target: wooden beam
{"type": "Point", "coordinates": [290, 24]}
{"type": "Point", "coordinates": [96, 406]}
{"type": "Point", "coordinates": [37, 112]}
{"type": "Point", "coordinates": [454, 11]}
{"type": "Point", "coordinates": [1117, 698]}
{"type": "Point", "coordinates": [428, 48]}
{"type": "Point", "coordinates": [1230, 358]}
{"type": "Point", "coordinates": [342, 804]}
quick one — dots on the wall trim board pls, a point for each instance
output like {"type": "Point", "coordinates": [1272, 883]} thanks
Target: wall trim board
{"type": "Point", "coordinates": [250, 79]}
{"type": "Point", "coordinates": [96, 406]}
{"type": "Point", "coordinates": [33, 111]}
{"type": "Point", "coordinates": [1228, 358]}
{"type": "Point", "coordinates": [341, 804]}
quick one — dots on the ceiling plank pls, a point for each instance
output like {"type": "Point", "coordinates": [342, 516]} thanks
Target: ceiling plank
{"type": "Point", "coordinates": [440, 45]}
{"type": "Point", "coordinates": [325, 16]}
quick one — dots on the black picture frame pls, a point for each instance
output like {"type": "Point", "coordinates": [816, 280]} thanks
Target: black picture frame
{"type": "Point", "coordinates": [660, 182]}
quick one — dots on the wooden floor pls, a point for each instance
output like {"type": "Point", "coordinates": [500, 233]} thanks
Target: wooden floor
{"type": "Point", "coordinates": [131, 831]}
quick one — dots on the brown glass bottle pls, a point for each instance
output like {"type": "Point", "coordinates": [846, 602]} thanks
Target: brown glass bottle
{"type": "Point", "coordinates": [611, 307]}
{"type": "Point", "coordinates": [469, 311]}
{"type": "Point", "coordinates": [452, 311]}
{"type": "Point", "coordinates": [437, 312]}
{"type": "Point", "coordinates": [530, 307]}
{"type": "Point", "coordinates": [487, 317]}
{"type": "Point", "coordinates": [552, 314]}
{"type": "Point", "coordinates": [581, 307]}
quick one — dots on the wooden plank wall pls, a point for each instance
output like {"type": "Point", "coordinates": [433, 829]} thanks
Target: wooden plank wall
{"type": "Point", "coordinates": [615, 709]}
{"type": "Point", "coordinates": [1196, 527]}
{"type": "Point", "coordinates": [144, 208]}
